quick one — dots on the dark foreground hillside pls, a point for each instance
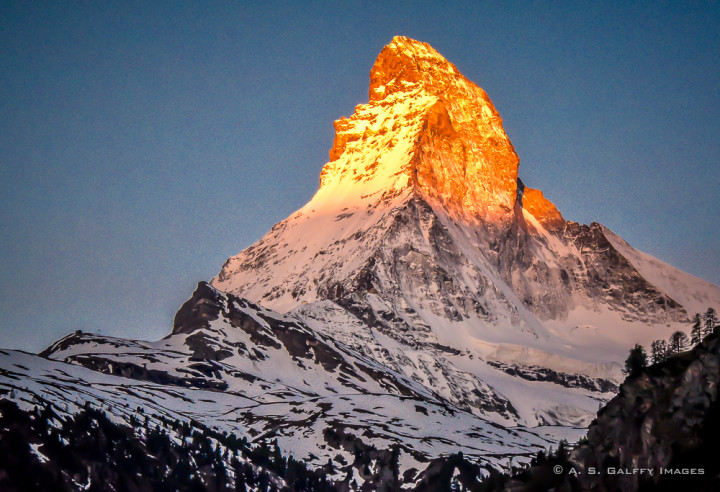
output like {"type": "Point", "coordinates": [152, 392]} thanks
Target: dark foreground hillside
{"type": "Point", "coordinates": [43, 451]}
{"type": "Point", "coordinates": [661, 432]}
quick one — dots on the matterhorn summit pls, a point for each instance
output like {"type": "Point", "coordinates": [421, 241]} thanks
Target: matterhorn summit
{"type": "Point", "coordinates": [425, 301]}
{"type": "Point", "coordinates": [426, 128]}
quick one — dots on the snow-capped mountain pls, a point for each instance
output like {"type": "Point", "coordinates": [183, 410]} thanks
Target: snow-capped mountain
{"type": "Point", "coordinates": [424, 300]}
{"type": "Point", "coordinates": [423, 250]}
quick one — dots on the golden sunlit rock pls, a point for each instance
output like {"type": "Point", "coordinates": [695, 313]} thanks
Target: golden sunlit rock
{"type": "Point", "coordinates": [428, 127]}
{"type": "Point", "coordinates": [542, 209]}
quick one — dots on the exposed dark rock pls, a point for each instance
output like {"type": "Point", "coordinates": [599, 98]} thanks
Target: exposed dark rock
{"type": "Point", "coordinates": [198, 311]}
{"type": "Point", "coordinates": [134, 371]}
{"type": "Point", "coordinates": [537, 373]}
{"type": "Point", "coordinates": [610, 274]}
{"type": "Point", "coordinates": [203, 348]}
{"type": "Point", "coordinates": [665, 418]}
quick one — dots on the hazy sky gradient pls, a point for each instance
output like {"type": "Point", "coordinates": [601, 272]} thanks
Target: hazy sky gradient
{"type": "Point", "coordinates": [141, 145]}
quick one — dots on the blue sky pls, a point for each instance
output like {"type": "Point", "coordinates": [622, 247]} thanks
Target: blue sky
{"type": "Point", "coordinates": [141, 145]}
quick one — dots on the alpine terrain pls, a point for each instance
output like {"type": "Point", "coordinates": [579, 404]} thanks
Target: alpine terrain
{"type": "Point", "coordinates": [424, 302]}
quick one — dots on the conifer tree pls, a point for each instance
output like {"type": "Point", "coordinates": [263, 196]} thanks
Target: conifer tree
{"type": "Point", "coordinates": [711, 321]}
{"type": "Point", "coordinates": [636, 360]}
{"type": "Point", "coordinates": [696, 332]}
{"type": "Point", "coordinates": [658, 351]}
{"type": "Point", "coordinates": [678, 342]}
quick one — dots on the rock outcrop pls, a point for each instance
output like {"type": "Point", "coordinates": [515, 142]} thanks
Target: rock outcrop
{"type": "Point", "coordinates": [665, 419]}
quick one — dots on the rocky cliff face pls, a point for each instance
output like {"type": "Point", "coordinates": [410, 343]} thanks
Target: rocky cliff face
{"type": "Point", "coordinates": [664, 419]}
{"type": "Point", "coordinates": [540, 207]}
{"type": "Point", "coordinates": [463, 159]}
{"type": "Point", "coordinates": [429, 128]}
{"type": "Point", "coordinates": [660, 433]}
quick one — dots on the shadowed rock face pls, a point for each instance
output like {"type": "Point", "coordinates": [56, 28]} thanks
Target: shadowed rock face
{"type": "Point", "coordinates": [666, 417]}
{"type": "Point", "coordinates": [205, 348]}
{"type": "Point", "coordinates": [660, 433]}
{"type": "Point", "coordinates": [198, 311]}
{"type": "Point", "coordinates": [610, 275]}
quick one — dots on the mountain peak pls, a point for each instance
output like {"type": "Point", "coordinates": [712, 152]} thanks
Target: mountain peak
{"type": "Point", "coordinates": [403, 63]}
{"type": "Point", "coordinates": [423, 250]}
{"type": "Point", "coordinates": [426, 127]}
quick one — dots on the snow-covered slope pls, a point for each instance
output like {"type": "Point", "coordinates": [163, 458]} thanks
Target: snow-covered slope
{"type": "Point", "coordinates": [242, 369]}
{"type": "Point", "coordinates": [694, 294]}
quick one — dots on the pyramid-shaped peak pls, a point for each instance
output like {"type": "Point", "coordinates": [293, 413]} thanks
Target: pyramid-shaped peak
{"type": "Point", "coordinates": [426, 128]}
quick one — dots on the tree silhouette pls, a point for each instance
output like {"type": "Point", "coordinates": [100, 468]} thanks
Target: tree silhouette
{"type": "Point", "coordinates": [636, 360]}
{"type": "Point", "coordinates": [696, 332]}
{"type": "Point", "coordinates": [658, 351]}
{"type": "Point", "coordinates": [711, 321]}
{"type": "Point", "coordinates": [678, 342]}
